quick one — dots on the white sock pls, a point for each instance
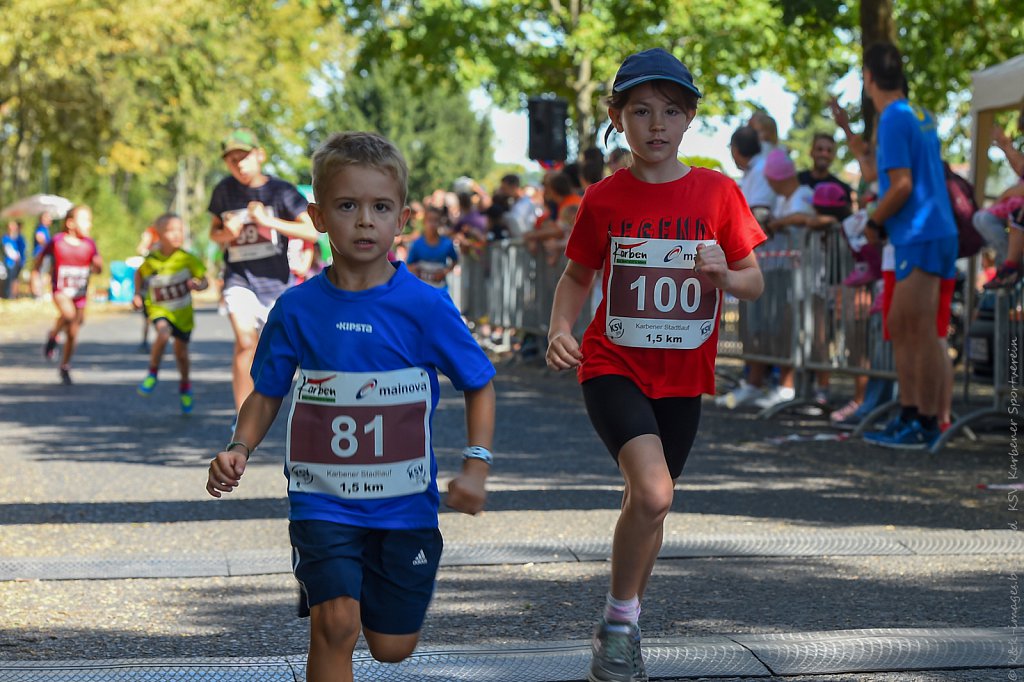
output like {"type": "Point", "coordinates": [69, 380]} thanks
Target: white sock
{"type": "Point", "coordinates": [622, 611]}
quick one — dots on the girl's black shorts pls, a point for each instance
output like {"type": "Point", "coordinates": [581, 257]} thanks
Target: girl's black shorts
{"type": "Point", "coordinates": [620, 411]}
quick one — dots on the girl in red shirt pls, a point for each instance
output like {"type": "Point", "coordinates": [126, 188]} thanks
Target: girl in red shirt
{"type": "Point", "coordinates": [667, 240]}
{"type": "Point", "coordinates": [75, 259]}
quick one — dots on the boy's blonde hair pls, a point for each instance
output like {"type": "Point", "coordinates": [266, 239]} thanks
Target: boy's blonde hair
{"type": "Point", "coordinates": [160, 223]}
{"type": "Point", "coordinates": [358, 149]}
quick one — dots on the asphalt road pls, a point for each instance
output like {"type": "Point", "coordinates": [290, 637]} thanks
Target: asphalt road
{"type": "Point", "coordinates": [93, 470]}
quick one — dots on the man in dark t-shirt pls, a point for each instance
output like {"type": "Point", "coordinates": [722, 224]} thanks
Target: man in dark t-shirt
{"type": "Point", "coordinates": [253, 216]}
{"type": "Point", "coordinates": [823, 153]}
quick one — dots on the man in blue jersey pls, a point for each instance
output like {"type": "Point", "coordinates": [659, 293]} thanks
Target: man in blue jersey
{"type": "Point", "coordinates": [368, 338]}
{"type": "Point", "coordinates": [915, 212]}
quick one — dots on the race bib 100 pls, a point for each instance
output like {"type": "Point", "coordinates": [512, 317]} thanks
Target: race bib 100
{"type": "Point", "coordinates": [360, 435]}
{"type": "Point", "coordinates": [654, 297]}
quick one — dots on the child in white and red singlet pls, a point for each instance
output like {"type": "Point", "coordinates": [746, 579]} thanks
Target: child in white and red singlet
{"type": "Point", "coordinates": [668, 240]}
{"type": "Point", "coordinates": [75, 259]}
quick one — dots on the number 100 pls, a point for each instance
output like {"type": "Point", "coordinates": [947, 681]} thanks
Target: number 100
{"type": "Point", "coordinates": [666, 295]}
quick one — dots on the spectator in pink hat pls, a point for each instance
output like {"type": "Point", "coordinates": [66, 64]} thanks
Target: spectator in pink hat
{"type": "Point", "coordinates": [793, 209]}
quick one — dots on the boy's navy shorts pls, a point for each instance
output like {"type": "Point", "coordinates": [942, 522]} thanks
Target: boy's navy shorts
{"type": "Point", "coordinates": [389, 572]}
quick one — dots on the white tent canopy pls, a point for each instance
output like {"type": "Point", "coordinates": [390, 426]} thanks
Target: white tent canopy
{"type": "Point", "coordinates": [997, 88]}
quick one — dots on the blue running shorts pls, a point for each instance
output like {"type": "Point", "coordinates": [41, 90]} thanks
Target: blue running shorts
{"type": "Point", "coordinates": [936, 257]}
{"type": "Point", "coordinates": [389, 572]}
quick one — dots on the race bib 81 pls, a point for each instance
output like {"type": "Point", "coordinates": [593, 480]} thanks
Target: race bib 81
{"type": "Point", "coordinates": [360, 435]}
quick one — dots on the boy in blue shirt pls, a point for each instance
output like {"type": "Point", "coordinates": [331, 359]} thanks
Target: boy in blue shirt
{"type": "Point", "coordinates": [432, 256]}
{"type": "Point", "coordinates": [368, 338]}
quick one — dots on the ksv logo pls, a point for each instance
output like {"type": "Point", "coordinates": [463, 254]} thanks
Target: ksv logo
{"type": "Point", "coordinates": [417, 472]}
{"type": "Point", "coordinates": [366, 389]}
{"type": "Point", "coordinates": [705, 329]}
{"type": "Point", "coordinates": [302, 475]}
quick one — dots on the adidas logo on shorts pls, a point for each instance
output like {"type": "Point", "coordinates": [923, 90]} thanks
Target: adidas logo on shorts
{"type": "Point", "coordinates": [420, 559]}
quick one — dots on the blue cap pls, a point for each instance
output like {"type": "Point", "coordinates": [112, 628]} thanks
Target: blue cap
{"type": "Point", "coordinates": [650, 65]}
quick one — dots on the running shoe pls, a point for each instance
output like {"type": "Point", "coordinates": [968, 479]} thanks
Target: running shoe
{"type": "Point", "coordinates": [50, 349]}
{"type": "Point", "coordinates": [912, 436]}
{"type": "Point", "coordinates": [1006, 276]}
{"type": "Point", "coordinates": [895, 425]}
{"type": "Point", "coordinates": [843, 412]}
{"type": "Point", "coordinates": [65, 376]}
{"type": "Point", "coordinates": [147, 385]}
{"type": "Point", "coordinates": [744, 394]}
{"type": "Point", "coordinates": [775, 396]}
{"type": "Point", "coordinates": [186, 401]}
{"type": "Point", "coordinates": [616, 654]}
{"type": "Point", "coordinates": [861, 276]}
{"type": "Point", "coordinates": [846, 417]}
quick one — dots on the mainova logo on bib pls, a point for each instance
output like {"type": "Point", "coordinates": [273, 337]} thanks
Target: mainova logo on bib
{"type": "Point", "coordinates": [655, 299]}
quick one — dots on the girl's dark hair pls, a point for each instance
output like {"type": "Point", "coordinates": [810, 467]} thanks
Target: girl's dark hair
{"type": "Point", "coordinates": [673, 92]}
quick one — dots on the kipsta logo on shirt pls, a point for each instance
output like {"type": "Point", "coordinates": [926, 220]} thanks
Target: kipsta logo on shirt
{"type": "Point", "coordinates": [314, 389]}
{"type": "Point", "coordinates": [355, 327]}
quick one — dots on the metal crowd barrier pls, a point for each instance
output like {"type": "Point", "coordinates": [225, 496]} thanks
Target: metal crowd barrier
{"type": "Point", "coordinates": [504, 285]}
{"type": "Point", "coordinates": [841, 334]}
{"type": "Point", "coordinates": [1007, 337]}
{"type": "Point", "coordinates": [766, 330]}
{"type": "Point", "coordinates": [806, 317]}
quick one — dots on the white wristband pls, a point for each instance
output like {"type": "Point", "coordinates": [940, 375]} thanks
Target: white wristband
{"type": "Point", "coordinates": [478, 452]}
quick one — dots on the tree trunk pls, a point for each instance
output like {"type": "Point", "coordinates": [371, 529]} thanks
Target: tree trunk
{"type": "Point", "coordinates": [876, 26]}
{"type": "Point", "coordinates": [584, 87]}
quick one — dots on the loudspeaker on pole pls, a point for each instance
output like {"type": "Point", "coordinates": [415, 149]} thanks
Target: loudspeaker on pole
{"type": "Point", "coordinates": [547, 128]}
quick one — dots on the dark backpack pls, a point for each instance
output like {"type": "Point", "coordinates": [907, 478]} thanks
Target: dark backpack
{"type": "Point", "coordinates": [961, 197]}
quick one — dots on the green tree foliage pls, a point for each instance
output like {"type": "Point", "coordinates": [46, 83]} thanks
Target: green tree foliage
{"type": "Point", "coordinates": [942, 44]}
{"type": "Point", "coordinates": [432, 124]}
{"type": "Point", "coordinates": [571, 48]}
{"type": "Point", "coordinates": [127, 92]}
